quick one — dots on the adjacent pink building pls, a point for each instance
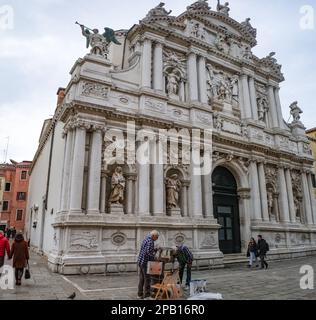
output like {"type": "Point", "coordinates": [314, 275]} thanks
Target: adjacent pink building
{"type": "Point", "coordinates": [15, 177]}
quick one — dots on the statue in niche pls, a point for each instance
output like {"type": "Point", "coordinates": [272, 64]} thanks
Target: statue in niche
{"type": "Point", "coordinates": [173, 188]}
{"type": "Point", "coordinates": [270, 201]}
{"type": "Point", "coordinates": [297, 208]}
{"type": "Point", "coordinates": [224, 9]}
{"type": "Point", "coordinates": [173, 80]}
{"type": "Point", "coordinates": [118, 187]}
{"type": "Point", "coordinates": [262, 108]}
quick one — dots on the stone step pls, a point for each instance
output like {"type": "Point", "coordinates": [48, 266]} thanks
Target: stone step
{"type": "Point", "coordinates": [235, 259]}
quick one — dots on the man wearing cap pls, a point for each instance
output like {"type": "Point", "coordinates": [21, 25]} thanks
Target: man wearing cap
{"type": "Point", "coordinates": [185, 259]}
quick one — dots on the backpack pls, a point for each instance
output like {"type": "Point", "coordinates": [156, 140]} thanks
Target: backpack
{"type": "Point", "coordinates": [267, 246]}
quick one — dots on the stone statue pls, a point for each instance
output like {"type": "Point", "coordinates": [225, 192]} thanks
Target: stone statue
{"type": "Point", "coordinates": [262, 108]}
{"type": "Point", "coordinates": [218, 123]}
{"type": "Point", "coordinates": [222, 43]}
{"type": "Point", "coordinates": [224, 9]}
{"type": "Point", "coordinates": [199, 5]}
{"type": "Point", "coordinates": [270, 201]}
{"type": "Point", "coordinates": [297, 208]}
{"type": "Point", "coordinates": [99, 42]}
{"type": "Point", "coordinates": [197, 31]}
{"type": "Point", "coordinates": [247, 54]}
{"type": "Point", "coordinates": [246, 24]}
{"type": "Point", "coordinates": [173, 83]}
{"type": "Point", "coordinates": [158, 11]}
{"type": "Point", "coordinates": [118, 187]}
{"type": "Point", "coordinates": [173, 189]}
{"type": "Point", "coordinates": [295, 111]}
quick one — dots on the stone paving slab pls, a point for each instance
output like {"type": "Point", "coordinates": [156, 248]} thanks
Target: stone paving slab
{"type": "Point", "coordinates": [280, 282]}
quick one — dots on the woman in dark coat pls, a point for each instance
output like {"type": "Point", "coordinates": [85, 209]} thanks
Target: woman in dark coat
{"type": "Point", "coordinates": [20, 254]}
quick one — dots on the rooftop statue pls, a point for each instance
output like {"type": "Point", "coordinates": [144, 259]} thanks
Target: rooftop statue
{"type": "Point", "coordinates": [99, 42]}
{"type": "Point", "coordinates": [158, 11]}
{"type": "Point", "coordinates": [199, 5]}
{"type": "Point", "coordinates": [224, 9]}
{"type": "Point", "coordinates": [246, 24]}
{"type": "Point", "coordinates": [296, 111]}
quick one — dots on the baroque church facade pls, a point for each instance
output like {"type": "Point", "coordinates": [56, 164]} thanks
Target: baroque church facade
{"type": "Point", "coordinates": [197, 70]}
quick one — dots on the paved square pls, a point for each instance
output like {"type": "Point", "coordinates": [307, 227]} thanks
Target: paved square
{"type": "Point", "coordinates": [280, 282]}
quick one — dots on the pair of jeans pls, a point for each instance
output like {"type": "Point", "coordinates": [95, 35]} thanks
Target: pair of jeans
{"type": "Point", "coordinates": [252, 258]}
{"type": "Point", "coordinates": [181, 272]}
{"type": "Point", "coordinates": [144, 282]}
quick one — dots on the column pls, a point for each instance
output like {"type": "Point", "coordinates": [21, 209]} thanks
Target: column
{"type": "Point", "coordinates": [130, 195]}
{"type": "Point", "coordinates": [202, 80]}
{"type": "Point", "coordinates": [67, 171]}
{"type": "Point", "coordinates": [193, 81]}
{"type": "Point", "coordinates": [255, 191]}
{"type": "Point", "coordinates": [158, 187]}
{"type": "Point", "coordinates": [146, 63]}
{"type": "Point", "coordinates": [307, 199]}
{"type": "Point", "coordinates": [196, 186]}
{"type": "Point", "coordinates": [272, 110]}
{"type": "Point", "coordinates": [103, 193]}
{"type": "Point", "coordinates": [77, 171]}
{"type": "Point", "coordinates": [158, 67]}
{"type": "Point", "coordinates": [246, 96]}
{"type": "Point", "coordinates": [208, 196]}
{"type": "Point", "coordinates": [278, 107]}
{"type": "Point", "coordinates": [263, 192]}
{"type": "Point", "coordinates": [312, 196]}
{"type": "Point", "coordinates": [185, 210]}
{"type": "Point", "coordinates": [290, 195]}
{"type": "Point", "coordinates": [94, 179]}
{"type": "Point", "coordinates": [253, 98]}
{"type": "Point", "coordinates": [144, 187]}
{"type": "Point", "coordinates": [283, 198]}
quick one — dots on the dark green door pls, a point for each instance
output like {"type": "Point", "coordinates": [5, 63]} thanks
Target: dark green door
{"type": "Point", "coordinates": [226, 211]}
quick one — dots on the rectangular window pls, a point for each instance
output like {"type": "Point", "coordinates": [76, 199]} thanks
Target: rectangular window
{"type": "Point", "coordinates": [19, 215]}
{"type": "Point", "coordinates": [23, 175]}
{"type": "Point", "coordinates": [21, 196]}
{"type": "Point", "coordinates": [5, 206]}
{"type": "Point", "coordinates": [7, 187]}
{"type": "Point", "coordinates": [314, 180]}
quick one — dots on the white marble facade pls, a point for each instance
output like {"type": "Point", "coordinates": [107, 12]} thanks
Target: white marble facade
{"type": "Point", "coordinates": [192, 71]}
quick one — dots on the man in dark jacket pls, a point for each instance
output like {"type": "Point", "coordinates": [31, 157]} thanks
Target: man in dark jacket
{"type": "Point", "coordinates": [263, 248]}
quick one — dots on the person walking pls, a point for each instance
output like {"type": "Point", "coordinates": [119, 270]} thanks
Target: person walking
{"type": "Point", "coordinates": [4, 248]}
{"type": "Point", "coordinates": [185, 259]}
{"type": "Point", "coordinates": [13, 233]}
{"type": "Point", "coordinates": [252, 252]}
{"type": "Point", "coordinates": [8, 233]}
{"type": "Point", "coordinates": [263, 248]}
{"type": "Point", "coordinates": [147, 253]}
{"type": "Point", "coordinates": [20, 254]}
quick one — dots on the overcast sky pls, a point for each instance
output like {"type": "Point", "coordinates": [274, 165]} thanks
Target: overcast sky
{"type": "Point", "coordinates": [37, 54]}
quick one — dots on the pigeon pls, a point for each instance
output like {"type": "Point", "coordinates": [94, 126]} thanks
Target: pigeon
{"type": "Point", "coordinates": [73, 296]}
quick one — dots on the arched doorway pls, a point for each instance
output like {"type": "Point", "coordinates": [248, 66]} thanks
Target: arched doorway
{"type": "Point", "coordinates": [225, 201]}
